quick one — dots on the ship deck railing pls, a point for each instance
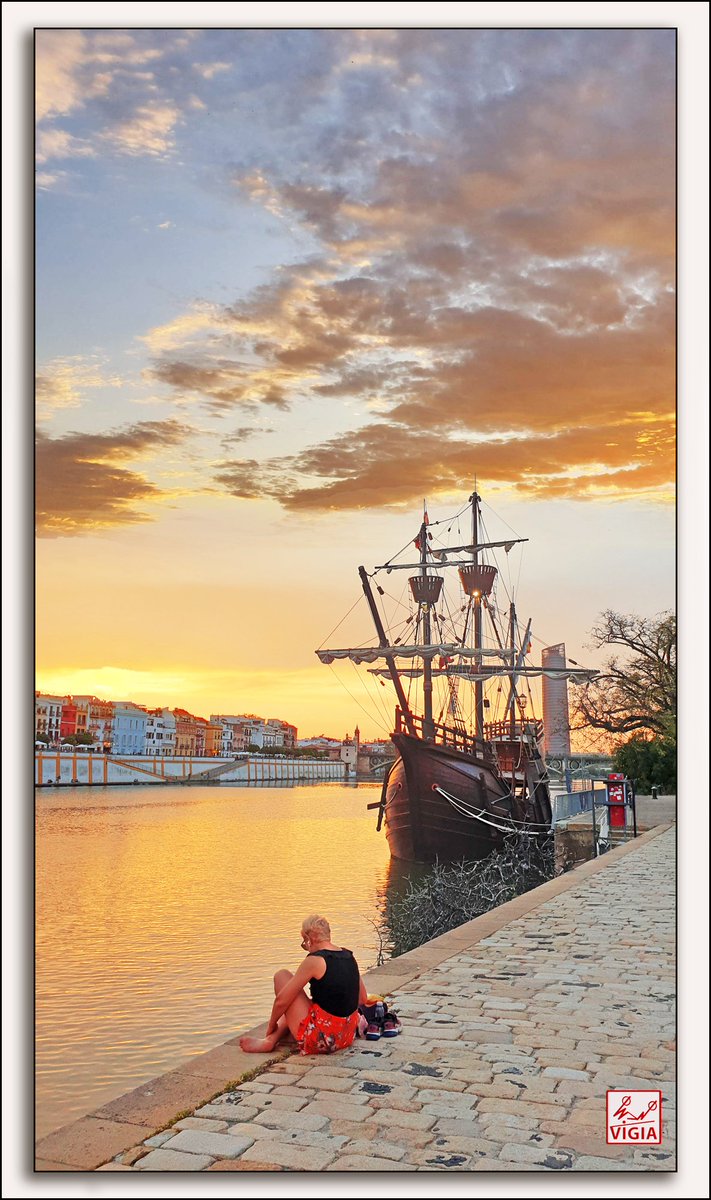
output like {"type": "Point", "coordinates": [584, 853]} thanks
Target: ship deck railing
{"type": "Point", "coordinates": [508, 731]}
{"type": "Point", "coordinates": [449, 736]}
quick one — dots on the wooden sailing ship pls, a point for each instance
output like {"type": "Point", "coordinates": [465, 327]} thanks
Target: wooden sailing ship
{"type": "Point", "coordinates": [457, 788]}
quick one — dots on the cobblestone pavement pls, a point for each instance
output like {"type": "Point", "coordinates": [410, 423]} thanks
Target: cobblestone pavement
{"type": "Point", "coordinates": [507, 1050]}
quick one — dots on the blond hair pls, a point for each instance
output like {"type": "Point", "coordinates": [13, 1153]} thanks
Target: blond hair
{"type": "Point", "coordinates": [316, 926]}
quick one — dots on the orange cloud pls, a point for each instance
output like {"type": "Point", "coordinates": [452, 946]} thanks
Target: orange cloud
{"type": "Point", "coordinates": [81, 484]}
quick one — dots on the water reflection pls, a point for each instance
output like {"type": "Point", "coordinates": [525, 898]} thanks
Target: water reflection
{"type": "Point", "coordinates": [162, 916]}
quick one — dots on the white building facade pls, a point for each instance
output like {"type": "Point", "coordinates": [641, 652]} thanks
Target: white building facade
{"type": "Point", "coordinates": [48, 717]}
{"type": "Point", "coordinates": [160, 733]}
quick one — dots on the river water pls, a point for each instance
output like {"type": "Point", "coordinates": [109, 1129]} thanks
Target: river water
{"type": "Point", "coordinates": [163, 912]}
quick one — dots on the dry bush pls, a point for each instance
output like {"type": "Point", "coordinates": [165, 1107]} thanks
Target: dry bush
{"type": "Point", "coordinates": [453, 893]}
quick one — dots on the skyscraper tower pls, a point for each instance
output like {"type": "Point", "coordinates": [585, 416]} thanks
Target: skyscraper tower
{"type": "Point", "coordinates": [556, 718]}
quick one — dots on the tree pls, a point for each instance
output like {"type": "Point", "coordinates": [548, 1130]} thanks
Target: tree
{"type": "Point", "coordinates": [649, 762]}
{"type": "Point", "coordinates": [635, 694]}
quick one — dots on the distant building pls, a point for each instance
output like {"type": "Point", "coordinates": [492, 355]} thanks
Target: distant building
{"type": "Point", "coordinates": [128, 729]}
{"type": "Point", "coordinates": [188, 733]}
{"type": "Point", "coordinates": [213, 738]}
{"type": "Point", "coordinates": [97, 717]}
{"type": "Point", "coordinates": [227, 738]}
{"type": "Point", "coordinates": [48, 717]}
{"type": "Point", "coordinates": [280, 733]}
{"type": "Point", "coordinates": [350, 749]}
{"type": "Point", "coordinates": [160, 732]}
{"type": "Point", "coordinates": [251, 730]}
{"type": "Point", "coordinates": [227, 734]}
{"type": "Point", "coordinates": [123, 727]}
{"type": "Point", "coordinates": [68, 721]}
{"type": "Point", "coordinates": [379, 746]}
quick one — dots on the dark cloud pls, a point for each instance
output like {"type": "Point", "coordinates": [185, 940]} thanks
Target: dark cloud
{"type": "Point", "coordinates": [242, 434]}
{"type": "Point", "coordinates": [221, 385]}
{"type": "Point", "coordinates": [81, 484]}
{"type": "Point", "coordinates": [247, 479]}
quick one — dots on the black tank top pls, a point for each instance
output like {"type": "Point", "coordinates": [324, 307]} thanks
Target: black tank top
{"type": "Point", "coordinates": [337, 993]}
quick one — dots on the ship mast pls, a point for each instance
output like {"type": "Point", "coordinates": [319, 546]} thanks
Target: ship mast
{"type": "Point", "coordinates": [512, 686]}
{"type": "Point", "coordinates": [427, 715]}
{"type": "Point", "coordinates": [478, 686]}
{"type": "Point", "coordinates": [397, 682]}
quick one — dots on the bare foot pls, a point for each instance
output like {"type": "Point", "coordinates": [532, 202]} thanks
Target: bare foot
{"type": "Point", "coordinates": [252, 1045]}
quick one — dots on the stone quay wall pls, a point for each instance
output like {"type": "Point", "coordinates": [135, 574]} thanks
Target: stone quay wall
{"type": "Point", "coordinates": [87, 769]}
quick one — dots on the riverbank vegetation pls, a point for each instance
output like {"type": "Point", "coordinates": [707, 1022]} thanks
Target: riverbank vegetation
{"type": "Point", "coordinates": [453, 893]}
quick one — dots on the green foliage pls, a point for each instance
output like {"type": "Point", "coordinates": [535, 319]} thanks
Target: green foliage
{"type": "Point", "coordinates": [454, 893]}
{"type": "Point", "coordinates": [649, 763]}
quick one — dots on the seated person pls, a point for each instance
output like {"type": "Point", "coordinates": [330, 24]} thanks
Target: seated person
{"type": "Point", "coordinates": [327, 1021]}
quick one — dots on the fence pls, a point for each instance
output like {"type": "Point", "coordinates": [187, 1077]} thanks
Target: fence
{"type": "Point", "coordinates": [612, 808]}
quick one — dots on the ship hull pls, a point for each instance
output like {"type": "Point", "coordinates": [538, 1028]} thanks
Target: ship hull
{"type": "Point", "coordinates": [422, 825]}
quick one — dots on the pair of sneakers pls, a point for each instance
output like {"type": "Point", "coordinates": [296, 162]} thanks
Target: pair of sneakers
{"type": "Point", "coordinates": [389, 1027]}
{"type": "Point", "coordinates": [378, 1021]}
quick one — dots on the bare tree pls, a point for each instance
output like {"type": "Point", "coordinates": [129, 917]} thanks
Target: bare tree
{"type": "Point", "coordinates": [635, 693]}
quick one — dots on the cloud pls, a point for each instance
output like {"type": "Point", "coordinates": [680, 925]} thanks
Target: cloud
{"type": "Point", "coordinates": [248, 479]}
{"type": "Point", "coordinates": [210, 70]}
{"type": "Point", "coordinates": [185, 329]}
{"type": "Point", "coordinates": [64, 382]}
{"type": "Point", "coordinates": [148, 131]}
{"type": "Point", "coordinates": [242, 434]}
{"type": "Point", "coordinates": [383, 466]}
{"type": "Point", "coordinates": [221, 384]}
{"type": "Point", "coordinates": [82, 484]}
{"type": "Point", "coordinates": [46, 180]}
{"type": "Point", "coordinates": [114, 86]}
{"type": "Point", "coordinates": [58, 143]}
{"type": "Point", "coordinates": [496, 268]}
{"type": "Point", "coordinates": [488, 218]}
{"type": "Point", "coordinates": [58, 90]}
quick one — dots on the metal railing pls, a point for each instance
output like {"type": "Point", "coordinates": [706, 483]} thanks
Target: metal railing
{"type": "Point", "coordinates": [612, 807]}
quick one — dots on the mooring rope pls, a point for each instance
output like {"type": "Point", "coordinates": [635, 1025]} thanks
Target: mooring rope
{"type": "Point", "coordinates": [462, 807]}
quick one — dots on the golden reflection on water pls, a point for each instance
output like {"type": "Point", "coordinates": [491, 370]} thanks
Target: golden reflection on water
{"type": "Point", "coordinates": [163, 914]}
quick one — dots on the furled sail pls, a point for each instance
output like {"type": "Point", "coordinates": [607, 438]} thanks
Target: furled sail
{"type": "Point", "coordinates": [442, 555]}
{"type": "Point", "coordinates": [371, 654]}
{"type": "Point", "coordinates": [478, 675]}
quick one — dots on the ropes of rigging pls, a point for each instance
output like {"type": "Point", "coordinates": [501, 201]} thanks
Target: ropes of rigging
{"type": "Point", "coordinates": [466, 811]}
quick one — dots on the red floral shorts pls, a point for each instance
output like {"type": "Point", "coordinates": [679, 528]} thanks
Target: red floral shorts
{"type": "Point", "coordinates": [322, 1033]}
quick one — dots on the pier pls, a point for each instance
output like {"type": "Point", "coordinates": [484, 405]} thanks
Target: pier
{"type": "Point", "coordinates": [515, 1025]}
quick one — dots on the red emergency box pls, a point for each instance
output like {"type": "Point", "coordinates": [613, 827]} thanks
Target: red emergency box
{"type": "Point", "coordinates": [617, 802]}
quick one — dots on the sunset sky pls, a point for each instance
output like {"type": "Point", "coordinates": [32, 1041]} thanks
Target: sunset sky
{"type": "Point", "coordinates": [291, 282]}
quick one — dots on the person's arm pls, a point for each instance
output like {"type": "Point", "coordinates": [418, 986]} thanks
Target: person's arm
{"type": "Point", "coordinates": [363, 993]}
{"type": "Point", "coordinates": [312, 967]}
